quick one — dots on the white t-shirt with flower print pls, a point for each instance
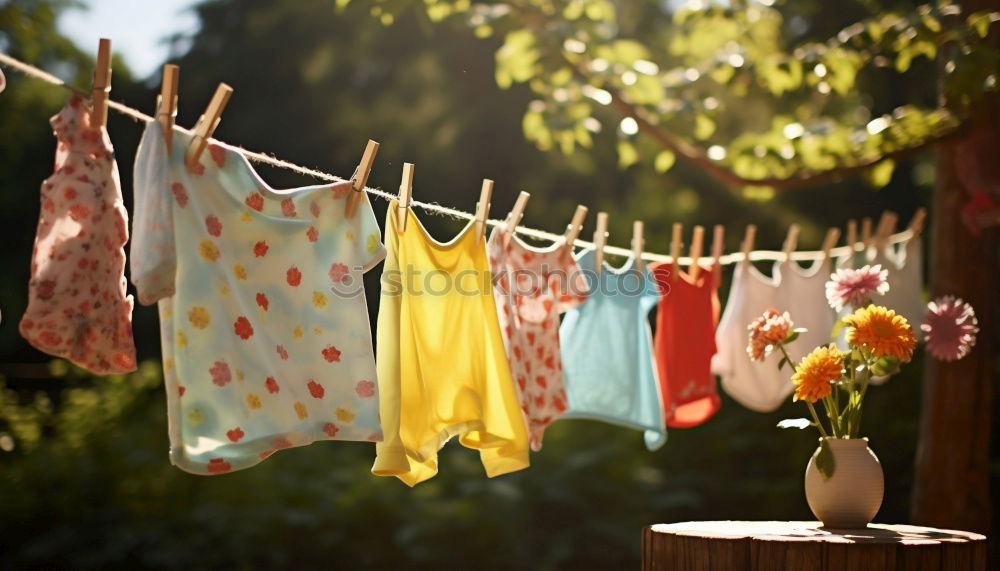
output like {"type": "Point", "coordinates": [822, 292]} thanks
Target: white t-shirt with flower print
{"type": "Point", "coordinates": [265, 332]}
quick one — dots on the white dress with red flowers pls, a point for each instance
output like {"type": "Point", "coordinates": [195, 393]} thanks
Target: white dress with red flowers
{"type": "Point", "coordinates": [264, 325]}
{"type": "Point", "coordinates": [77, 307]}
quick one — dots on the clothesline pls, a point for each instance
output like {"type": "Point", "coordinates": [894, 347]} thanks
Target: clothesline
{"type": "Point", "coordinates": [726, 259]}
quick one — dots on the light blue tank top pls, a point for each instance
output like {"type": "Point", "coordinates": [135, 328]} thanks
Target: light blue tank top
{"type": "Point", "coordinates": [607, 351]}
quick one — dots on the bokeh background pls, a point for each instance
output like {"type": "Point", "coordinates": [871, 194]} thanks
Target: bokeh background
{"type": "Point", "coordinates": [84, 475]}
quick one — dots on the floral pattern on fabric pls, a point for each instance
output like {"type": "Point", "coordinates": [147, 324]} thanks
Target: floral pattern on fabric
{"type": "Point", "coordinates": [77, 306]}
{"type": "Point", "coordinates": [531, 288]}
{"type": "Point", "coordinates": [265, 331]}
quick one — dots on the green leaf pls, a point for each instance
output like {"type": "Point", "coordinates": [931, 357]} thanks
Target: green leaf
{"type": "Point", "coordinates": [792, 336]}
{"type": "Point", "coordinates": [664, 160]}
{"type": "Point", "coordinates": [703, 127]}
{"type": "Point", "coordinates": [981, 22]}
{"type": "Point", "coordinates": [824, 460]}
{"type": "Point", "coordinates": [885, 366]}
{"type": "Point", "coordinates": [782, 363]}
{"type": "Point", "coordinates": [628, 155]}
{"type": "Point", "coordinates": [799, 423]}
{"type": "Point", "coordinates": [881, 174]}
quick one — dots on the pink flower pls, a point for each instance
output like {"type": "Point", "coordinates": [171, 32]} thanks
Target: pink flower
{"type": "Point", "coordinates": [331, 354]}
{"type": "Point", "coordinates": [854, 288]}
{"type": "Point", "coordinates": [312, 234]}
{"type": "Point", "coordinates": [315, 389]}
{"type": "Point", "coordinates": [255, 201]}
{"type": "Point", "coordinates": [950, 328]}
{"type": "Point", "coordinates": [243, 328]}
{"type": "Point", "coordinates": [338, 272]}
{"type": "Point", "coordinates": [330, 429]}
{"type": "Point", "coordinates": [272, 385]}
{"type": "Point", "coordinates": [282, 352]}
{"type": "Point", "coordinates": [221, 375]}
{"type": "Point", "coordinates": [236, 434]}
{"type": "Point", "coordinates": [365, 389]}
{"type": "Point", "coordinates": [314, 209]}
{"type": "Point", "coordinates": [213, 225]}
{"type": "Point", "coordinates": [767, 331]}
{"type": "Point", "coordinates": [262, 301]}
{"type": "Point", "coordinates": [218, 466]}
{"type": "Point", "coordinates": [288, 207]}
{"type": "Point", "coordinates": [218, 154]}
{"type": "Point", "coordinates": [260, 248]}
{"type": "Point", "coordinates": [294, 276]}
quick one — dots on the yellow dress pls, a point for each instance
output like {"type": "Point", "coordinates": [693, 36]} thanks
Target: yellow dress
{"type": "Point", "coordinates": [442, 367]}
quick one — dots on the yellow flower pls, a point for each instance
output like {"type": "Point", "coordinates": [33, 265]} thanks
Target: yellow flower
{"type": "Point", "coordinates": [253, 401]}
{"type": "Point", "coordinates": [246, 217]}
{"type": "Point", "coordinates": [344, 414]}
{"type": "Point", "coordinates": [300, 410]}
{"type": "Point", "coordinates": [208, 250]}
{"type": "Point", "coordinates": [350, 235]}
{"type": "Point", "coordinates": [239, 375]}
{"type": "Point", "coordinates": [297, 333]}
{"type": "Point", "coordinates": [372, 243]}
{"type": "Point", "coordinates": [199, 317]}
{"type": "Point", "coordinates": [168, 365]}
{"type": "Point", "coordinates": [319, 300]}
{"type": "Point", "coordinates": [814, 374]}
{"type": "Point", "coordinates": [882, 332]}
{"type": "Point", "coordinates": [182, 339]}
{"type": "Point", "coordinates": [317, 330]}
{"type": "Point", "coordinates": [240, 271]}
{"type": "Point", "coordinates": [195, 416]}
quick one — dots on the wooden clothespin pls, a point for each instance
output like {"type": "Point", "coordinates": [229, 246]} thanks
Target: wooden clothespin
{"type": "Point", "coordinates": [600, 239]}
{"type": "Point", "coordinates": [405, 195]}
{"type": "Point", "coordinates": [697, 245]}
{"type": "Point", "coordinates": [675, 249]}
{"type": "Point", "coordinates": [852, 235]}
{"type": "Point", "coordinates": [102, 85]}
{"type": "Point", "coordinates": [166, 102]}
{"type": "Point", "coordinates": [866, 233]}
{"type": "Point", "coordinates": [748, 239]}
{"type": "Point", "coordinates": [917, 223]}
{"type": "Point", "coordinates": [718, 243]}
{"type": "Point", "coordinates": [207, 123]}
{"type": "Point", "coordinates": [360, 178]}
{"type": "Point", "coordinates": [483, 208]}
{"type": "Point", "coordinates": [514, 218]}
{"type": "Point", "coordinates": [791, 241]}
{"type": "Point", "coordinates": [575, 225]}
{"type": "Point", "coordinates": [886, 226]}
{"type": "Point", "coordinates": [832, 235]}
{"type": "Point", "coordinates": [638, 243]}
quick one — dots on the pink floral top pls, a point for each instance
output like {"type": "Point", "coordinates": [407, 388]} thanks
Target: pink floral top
{"type": "Point", "coordinates": [532, 287]}
{"type": "Point", "coordinates": [77, 307]}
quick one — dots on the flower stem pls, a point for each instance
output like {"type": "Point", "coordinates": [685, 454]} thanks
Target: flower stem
{"type": "Point", "coordinates": [815, 416]}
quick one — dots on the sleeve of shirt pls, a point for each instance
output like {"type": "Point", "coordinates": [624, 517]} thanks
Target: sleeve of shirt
{"type": "Point", "coordinates": [152, 255]}
{"type": "Point", "coordinates": [368, 247]}
{"type": "Point", "coordinates": [573, 288]}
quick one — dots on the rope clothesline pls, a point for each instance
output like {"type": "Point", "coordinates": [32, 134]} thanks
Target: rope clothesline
{"type": "Point", "coordinates": [726, 259]}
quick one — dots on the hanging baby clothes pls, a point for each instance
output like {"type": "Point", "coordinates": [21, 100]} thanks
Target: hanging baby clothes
{"type": "Point", "coordinates": [905, 279]}
{"type": "Point", "coordinates": [77, 307]}
{"type": "Point", "coordinates": [607, 351]}
{"type": "Point", "coordinates": [442, 368]}
{"type": "Point", "coordinates": [685, 342]}
{"type": "Point", "coordinates": [264, 325]}
{"type": "Point", "coordinates": [761, 386]}
{"type": "Point", "coordinates": [532, 287]}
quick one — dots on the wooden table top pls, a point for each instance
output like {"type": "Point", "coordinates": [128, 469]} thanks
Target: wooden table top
{"type": "Point", "coordinates": [724, 545]}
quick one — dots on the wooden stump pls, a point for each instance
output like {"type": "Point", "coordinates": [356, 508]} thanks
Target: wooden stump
{"type": "Point", "coordinates": [802, 545]}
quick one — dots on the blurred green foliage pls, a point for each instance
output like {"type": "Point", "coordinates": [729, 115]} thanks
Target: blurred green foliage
{"type": "Point", "coordinates": [84, 475]}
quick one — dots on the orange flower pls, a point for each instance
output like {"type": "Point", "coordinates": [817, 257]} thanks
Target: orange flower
{"type": "Point", "coordinates": [882, 332]}
{"type": "Point", "coordinates": [815, 373]}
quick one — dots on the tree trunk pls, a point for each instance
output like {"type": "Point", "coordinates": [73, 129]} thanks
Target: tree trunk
{"type": "Point", "coordinates": [952, 488]}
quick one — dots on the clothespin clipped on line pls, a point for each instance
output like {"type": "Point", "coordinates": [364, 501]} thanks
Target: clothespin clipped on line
{"type": "Point", "coordinates": [697, 244]}
{"type": "Point", "coordinates": [405, 196]}
{"type": "Point", "coordinates": [866, 233]}
{"type": "Point", "coordinates": [600, 239]}
{"type": "Point", "coordinates": [359, 180]}
{"type": "Point", "coordinates": [483, 208]}
{"type": "Point", "coordinates": [852, 235]}
{"type": "Point", "coordinates": [886, 226]}
{"type": "Point", "coordinates": [207, 124]}
{"type": "Point", "coordinates": [102, 85]}
{"type": "Point", "coordinates": [166, 102]}
{"type": "Point", "coordinates": [917, 222]}
{"type": "Point", "coordinates": [748, 240]}
{"type": "Point", "coordinates": [675, 249]}
{"type": "Point", "coordinates": [791, 241]}
{"type": "Point", "coordinates": [832, 235]}
{"type": "Point", "coordinates": [575, 226]}
{"type": "Point", "coordinates": [718, 243]}
{"type": "Point", "coordinates": [638, 243]}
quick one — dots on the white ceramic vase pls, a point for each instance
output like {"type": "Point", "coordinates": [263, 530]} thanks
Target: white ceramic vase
{"type": "Point", "coordinates": [852, 496]}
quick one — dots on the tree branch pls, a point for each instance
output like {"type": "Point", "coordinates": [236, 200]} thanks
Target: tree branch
{"type": "Point", "coordinates": [695, 156]}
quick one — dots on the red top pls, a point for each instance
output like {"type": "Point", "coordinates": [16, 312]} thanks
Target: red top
{"type": "Point", "coordinates": [684, 344]}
